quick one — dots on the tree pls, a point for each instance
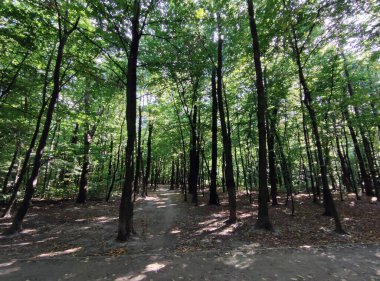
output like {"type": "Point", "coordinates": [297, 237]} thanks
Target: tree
{"type": "Point", "coordinates": [263, 215]}
{"type": "Point", "coordinates": [64, 33]}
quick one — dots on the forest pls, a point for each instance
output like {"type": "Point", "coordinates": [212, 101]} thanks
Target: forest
{"type": "Point", "coordinates": [262, 105]}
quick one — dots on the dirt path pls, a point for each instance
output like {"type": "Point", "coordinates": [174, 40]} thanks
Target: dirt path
{"type": "Point", "coordinates": [78, 244]}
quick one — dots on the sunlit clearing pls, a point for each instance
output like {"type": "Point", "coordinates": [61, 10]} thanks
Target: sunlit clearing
{"type": "Point", "coordinates": [59, 253]}
{"type": "Point", "coordinates": [153, 267]}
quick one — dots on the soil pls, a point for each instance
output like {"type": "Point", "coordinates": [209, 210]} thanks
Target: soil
{"type": "Point", "coordinates": [178, 241]}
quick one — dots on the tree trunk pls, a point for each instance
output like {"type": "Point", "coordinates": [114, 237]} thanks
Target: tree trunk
{"type": "Point", "coordinates": [328, 201]}
{"type": "Point", "coordinates": [230, 182]}
{"type": "Point", "coordinates": [148, 159]}
{"type": "Point", "coordinates": [138, 159]}
{"type": "Point", "coordinates": [365, 177]}
{"type": "Point", "coordinates": [214, 199]}
{"type": "Point", "coordinates": [172, 176]}
{"type": "Point", "coordinates": [32, 181]}
{"type": "Point", "coordinates": [272, 157]}
{"type": "Point", "coordinates": [82, 194]}
{"type": "Point", "coordinates": [345, 172]}
{"type": "Point", "coordinates": [125, 227]}
{"type": "Point", "coordinates": [194, 159]}
{"type": "Point", "coordinates": [24, 167]}
{"type": "Point", "coordinates": [263, 221]}
{"type": "Point", "coordinates": [116, 168]}
{"type": "Point", "coordinates": [10, 169]}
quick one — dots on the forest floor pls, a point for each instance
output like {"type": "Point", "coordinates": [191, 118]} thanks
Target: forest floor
{"type": "Point", "coordinates": [178, 241]}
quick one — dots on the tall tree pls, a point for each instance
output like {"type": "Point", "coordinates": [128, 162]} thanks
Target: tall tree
{"type": "Point", "coordinates": [263, 221]}
{"type": "Point", "coordinates": [229, 172]}
{"type": "Point", "coordinates": [64, 31]}
{"type": "Point", "coordinates": [214, 200]}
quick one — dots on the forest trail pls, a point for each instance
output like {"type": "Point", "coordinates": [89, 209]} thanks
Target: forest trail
{"type": "Point", "coordinates": [167, 247]}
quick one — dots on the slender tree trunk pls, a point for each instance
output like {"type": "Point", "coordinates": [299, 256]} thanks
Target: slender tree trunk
{"type": "Point", "coordinates": [125, 227]}
{"type": "Point", "coordinates": [172, 176]}
{"type": "Point", "coordinates": [148, 159]}
{"type": "Point", "coordinates": [28, 153]}
{"type": "Point", "coordinates": [286, 173]}
{"type": "Point", "coordinates": [116, 168]}
{"type": "Point", "coordinates": [345, 172]}
{"type": "Point", "coordinates": [177, 173]}
{"type": "Point", "coordinates": [194, 158]}
{"type": "Point", "coordinates": [10, 169]}
{"type": "Point", "coordinates": [87, 141]}
{"type": "Point", "coordinates": [230, 182]}
{"type": "Point", "coordinates": [263, 221]}
{"type": "Point", "coordinates": [272, 157]}
{"type": "Point", "coordinates": [309, 154]}
{"type": "Point", "coordinates": [214, 199]}
{"type": "Point", "coordinates": [368, 185]}
{"type": "Point", "coordinates": [32, 181]}
{"type": "Point", "coordinates": [138, 159]}
{"type": "Point", "coordinates": [83, 182]}
{"type": "Point", "coordinates": [328, 201]}
{"type": "Point", "coordinates": [363, 173]}
{"type": "Point", "coordinates": [371, 162]}
{"type": "Point", "coordinates": [109, 174]}
{"type": "Point", "coordinates": [242, 161]}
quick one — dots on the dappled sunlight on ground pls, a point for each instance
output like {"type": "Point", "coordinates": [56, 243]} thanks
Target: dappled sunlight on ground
{"type": "Point", "coordinates": [238, 260]}
{"type": "Point", "coordinates": [104, 219]}
{"type": "Point", "coordinates": [132, 277]}
{"type": "Point", "coordinates": [153, 267]}
{"type": "Point", "coordinates": [59, 253]}
{"type": "Point", "coordinates": [175, 231]}
{"type": "Point", "coordinates": [7, 271]}
{"type": "Point", "coordinates": [5, 264]}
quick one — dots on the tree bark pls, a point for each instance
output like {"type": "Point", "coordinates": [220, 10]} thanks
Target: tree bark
{"type": "Point", "coordinates": [125, 227]}
{"type": "Point", "coordinates": [148, 159]}
{"type": "Point", "coordinates": [138, 159]}
{"type": "Point", "coordinates": [263, 221]}
{"type": "Point", "coordinates": [230, 182]}
{"type": "Point", "coordinates": [116, 168]}
{"type": "Point", "coordinates": [214, 199]}
{"type": "Point", "coordinates": [272, 156]}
